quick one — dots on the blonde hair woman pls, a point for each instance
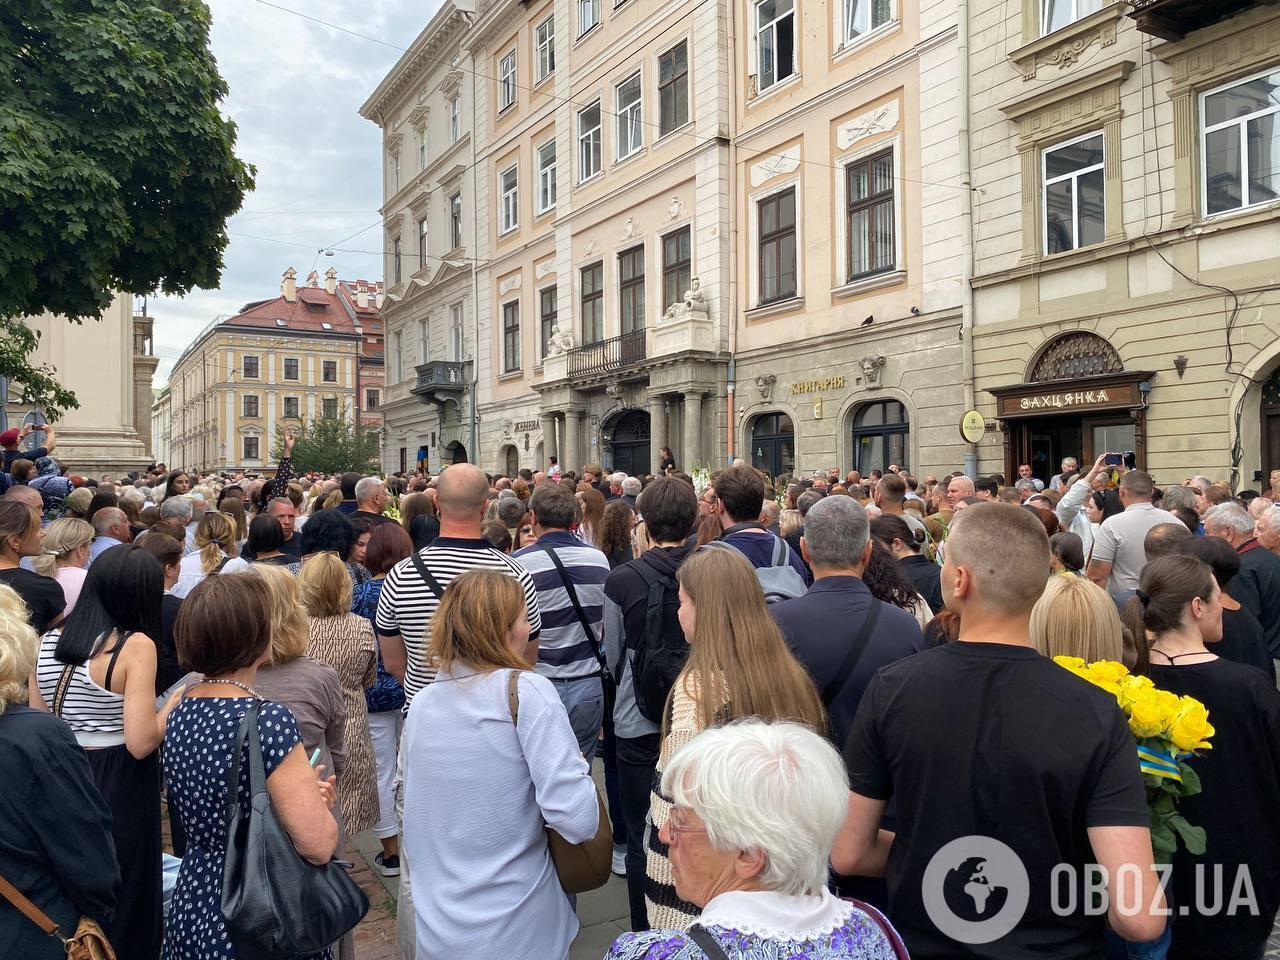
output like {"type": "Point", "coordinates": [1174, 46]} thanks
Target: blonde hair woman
{"type": "Point", "coordinates": [344, 640]}
{"type": "Point", "coordinates": [55, 828]}
{"type": "Point", "coordinates": [1076, 618]}
{"type": "Point", "coordinates": [789, 521]}
{"type": "Point", "coordinates": [215, 543]}
{"type": "Point", "coordinates": [233, 509]}
{"type": "Point", "coordinates": [739, 666]}
{"type": "Point", "coordinates": [66, 552]}
{"type": "Point", "coordinates": [508, 782]}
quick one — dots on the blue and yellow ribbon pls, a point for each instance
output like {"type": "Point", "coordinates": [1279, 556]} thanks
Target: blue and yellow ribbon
{"type": "Point", "coordinates": [1158, 763]}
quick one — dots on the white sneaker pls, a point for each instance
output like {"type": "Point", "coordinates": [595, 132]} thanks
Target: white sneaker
{"type": "Point", "coordinates": [620, 861]}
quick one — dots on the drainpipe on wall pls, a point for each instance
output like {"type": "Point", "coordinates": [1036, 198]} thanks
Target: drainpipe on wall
{"type": "Point", "coordinates": [473, 454]}
{"type": "Point", "coordinates": [966, 229]}
{"type": "Point", "coordinates": [732, 300]}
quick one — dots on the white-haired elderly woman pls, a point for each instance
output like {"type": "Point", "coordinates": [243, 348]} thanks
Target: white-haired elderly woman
{"type": "Point", "coordinates": [756, 808]}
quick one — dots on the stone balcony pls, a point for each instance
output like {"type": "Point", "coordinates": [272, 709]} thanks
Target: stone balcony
{"type": "Point", "coordinates": [675, 333]}
{"type": "Point", "coordinates": [1173, 19]}
{"type": "Point", "coordinates": [441, 380]}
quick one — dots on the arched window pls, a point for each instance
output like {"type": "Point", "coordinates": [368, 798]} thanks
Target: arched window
{"type": "Point", "coordinates": [511, 462]}
{"type": "Point", "coordinates": [1075, 355]}
{"type": "Point", "coordinates": [773, 444]}
{"type": "Point", "coordinates": [881, 435]}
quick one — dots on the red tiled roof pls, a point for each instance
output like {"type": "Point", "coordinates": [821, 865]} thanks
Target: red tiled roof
{"type": "Point", "coordinates": [313, 308]}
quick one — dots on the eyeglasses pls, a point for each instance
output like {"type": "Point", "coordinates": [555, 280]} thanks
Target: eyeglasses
{"type": "Point", "coordinates": [676, 828]}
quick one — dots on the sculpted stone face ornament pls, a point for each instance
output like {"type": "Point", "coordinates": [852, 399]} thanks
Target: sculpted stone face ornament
{"type": "Point", "coordinates": [560, 342]}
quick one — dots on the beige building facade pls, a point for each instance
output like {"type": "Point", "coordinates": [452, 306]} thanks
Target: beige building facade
{"type": "Point", "coordinates": [849, 217]}
{"type": "Point", "coordinates": [1127, 236]}
{"type": "Point", "coordinates": [161, 424]}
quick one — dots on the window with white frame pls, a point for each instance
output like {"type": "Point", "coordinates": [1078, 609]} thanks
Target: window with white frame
{"type": "Point", "coordinates": [588, 15]}
{"type": "Point", "coordinates": [455, 119]}
{"type": "Point", "coordinates": [251, 448]}
{"type": "Point", "coordinates": [424, 341]}
{"type": "Point", "coordinates": [1056, 14]}
{"type": "Point", "coordinates": [422, 150]}
{"type": "Point", "coordinates": [673, 89]}
{"type": "Point", "coordinates": [250, 406]}
{"type": "Point", "coordinates": [545, 41]}
{"type": "Point", "coordinates": [548, 310]}
{"type": "Point", "coordinates": [422, 244]}
{"type": "Point", "coordinates": [511, 336]}
{"type": "Point", "coordinates": [291, 408]}
{"type": "Point", "coordinates": [455, 332]}
{"type": "Point", "coordinates": [546, 196]}
{"type": "Point", "coordinates": [863, 16]}
{"type": "Point", "coordinates": [775, 42]}
{"type": "Point", "coordinates": [631, 289]}
{"type": "Point", "coordinates": [510, 192]}
{"type": "Point", "coordinates": [329, 371]}
{"type": "Point", "coordinates": [455, 221]}
{"type": "Point", "coordinates": [869, 216]}
{"type": "Point", "coordinates": [395, 173]}
{"type": "Point", "coordinates": [677, 266]}
{"type": "Point", "coordinates": [329, 408]}
{"type": "Point", "coordinates": [291, 368]}
{"type": "Point", "coordinates": [589, 142]}
{"type": "Point", "coordinates": [507, 81]}
{"type": "Point", "coordinates": [1074, 194]}
{"type": "Point", "coordinates": [776, 224]}
{"type": "Point", "coordinates": [1241, 143]}
{"type": "Point", "coordinates": [397, 357]}
{"type": "Point", "coordinates": [592, 303]}
{"type": "Point", "coordinates": [396, 266]}
{"type": "Point", "coordinates": [630, 129]}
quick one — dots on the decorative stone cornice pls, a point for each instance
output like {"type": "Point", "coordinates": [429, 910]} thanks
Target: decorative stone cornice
{"type": "Point", "coordinates": [438, 41]}
{"type": "Point", "coordinates": [419, 116]}
{"type": "Point", "coordinates": [1093, 97]}
{"type": "Point", "coordinates": [452, 82]}
{"type": "Point", "coordinates": [1063, 48]}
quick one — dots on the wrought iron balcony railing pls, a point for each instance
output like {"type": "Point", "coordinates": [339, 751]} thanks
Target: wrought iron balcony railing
{"type": "Point", "coordinates": [1174, 19]}
{"type": "Point", "coordinates": [605, 356]}
{"type": "Point", "coordinates": [440, 378]}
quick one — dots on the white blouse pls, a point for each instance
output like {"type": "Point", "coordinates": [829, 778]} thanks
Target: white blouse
{"type": "Point", "coordinates": [191, 573]}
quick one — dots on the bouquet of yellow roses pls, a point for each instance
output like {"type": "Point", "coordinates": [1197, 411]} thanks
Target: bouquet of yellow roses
{"type": "Point", "coordinates": [1169, 730]}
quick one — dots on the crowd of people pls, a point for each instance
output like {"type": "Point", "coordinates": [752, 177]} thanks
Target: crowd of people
{"type": "Point", "coordinates": [800, 689]}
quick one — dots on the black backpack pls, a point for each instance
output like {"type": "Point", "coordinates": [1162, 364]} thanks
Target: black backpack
{"type": "Point", "coordinates": [660, 653]}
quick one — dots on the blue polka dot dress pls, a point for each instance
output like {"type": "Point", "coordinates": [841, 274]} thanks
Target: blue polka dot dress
{"type": "Point", "coordinates": [197, 759]}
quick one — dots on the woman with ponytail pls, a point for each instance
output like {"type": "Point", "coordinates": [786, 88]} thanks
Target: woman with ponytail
{"type": "Point", "coordinates": [65, 555]}
{"type": "Point", "coordinates": [215, 544]}
{"type": "Point", "coordinates": [1177, 610]}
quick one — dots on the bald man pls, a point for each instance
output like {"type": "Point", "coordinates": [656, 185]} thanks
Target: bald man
{"type": "Point", "coordinates": [110, 529]}
{"type": "Point", "coordinates": [28, 496]}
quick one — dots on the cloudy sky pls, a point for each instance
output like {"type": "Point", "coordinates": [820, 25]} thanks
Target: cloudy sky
{"type": "Point", "coordinates": [296, 87]}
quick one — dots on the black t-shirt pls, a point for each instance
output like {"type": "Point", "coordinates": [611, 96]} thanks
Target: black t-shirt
{"type": "Point", "coordinates": [33, 455]}
{"type": "Point", "coordinates": [994, 741]}
{"type": "Point", "coordinates": [168, 670]}
{"type": "Point", "coordinates": [1244, 641]}
{"type": "Point", "coordinates": [291, 548]}
{"type": "Point", "coordinates": [1238, 807]}
{"type": "Point", "coordinates": [42, 595]}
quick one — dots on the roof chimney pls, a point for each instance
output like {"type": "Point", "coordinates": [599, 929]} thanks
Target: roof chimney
{"type": "Point", "coordinates": [290, 286]}
{"type": "Point", "coordinates": [378, 300]}
{"type": "Point", "coordinates": [331, 280]}
{"type": "Point", "coordinates": [313, 279]}
{"type": "Point", "coordinates": [362, 299]}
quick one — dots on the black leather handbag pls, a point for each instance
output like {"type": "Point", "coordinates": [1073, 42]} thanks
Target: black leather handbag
{"type": "Point", "coordinates": [276, 904]}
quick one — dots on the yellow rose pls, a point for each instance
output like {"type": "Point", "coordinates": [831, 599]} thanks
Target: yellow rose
{"type": "Point", "coordinates": [1107, 671]}
{"type": "Point", "coordinates": [1133, 688]}
{"type": "Point", "coordinates": [1146, 718]}
{"type": "Point", "coordinates": [1190, 729]}
{"type": "Point", "coordinates": [1074, 664]}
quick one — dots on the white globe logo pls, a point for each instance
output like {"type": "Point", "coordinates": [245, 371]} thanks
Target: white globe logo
{"type": "Point", "coordinates": [992, 878]}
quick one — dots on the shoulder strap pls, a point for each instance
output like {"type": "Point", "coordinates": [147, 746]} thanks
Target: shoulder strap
{"type": "Point", "coordinates": [64, 684]}
{"type": "Point", "coordinates": [111, 664]}
{"type": "Point", "coordinates": [854, 654]}
{"type": "Point", "coordinates": [513, 696]}
{"type": "Point", "coordinates": [432, 583]}
{"type": "Point", "coordinates": [573, 598]}
{"type": "Point", "coordinates": [28, 909]}
{"type": "Point", "coordinates": [233, 775]}
{"type": "Point", "coordinates": [745, 525]}
{"type": "Point", "coordinates": [225, 561]}
{"type": "Point", "coordinates": [707, 943]}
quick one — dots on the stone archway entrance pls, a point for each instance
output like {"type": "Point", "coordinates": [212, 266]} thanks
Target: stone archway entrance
{"type": "Point", "coordinates": [629, 442]}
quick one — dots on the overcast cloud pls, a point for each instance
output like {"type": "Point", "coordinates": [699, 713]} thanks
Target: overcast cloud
{"type": "Point", "coordinates": [296, 87]}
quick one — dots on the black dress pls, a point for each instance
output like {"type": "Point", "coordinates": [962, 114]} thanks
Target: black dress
{"type": "Point", "coordinates": [1240, 780]}
{"type": "Point", "coordinates": [55, 833]}
{"type": "Point", "coordinates": [1244, 641]}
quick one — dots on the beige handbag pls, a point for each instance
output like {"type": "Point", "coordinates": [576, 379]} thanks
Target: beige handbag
{"type": "Point", "coordinates": [88, 942]}
{"type": "Point", "coordinates": [580, 866]}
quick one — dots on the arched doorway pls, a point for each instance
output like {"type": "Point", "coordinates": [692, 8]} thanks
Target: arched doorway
{"type": "Point", "coordinates": [629, 443]}
{"type": "Point", "coordinates": [455, 452]}
{"type": "Point", "coordinates": [510, 461]}
{"type": "Point", "coordinates": [881, 436]}
{"type": "Point", "coordinates": [773, 444]}
{"type": "Point", "coordinates": [1270, 417]}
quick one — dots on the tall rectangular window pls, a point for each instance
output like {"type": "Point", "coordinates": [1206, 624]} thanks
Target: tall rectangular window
{"type": "Point", "coordinates": [588, 15]}
{"type": "Point", "coordinates": [395, 173]}
{"type": "Point", "coordinates": [249, 368]}
{"type": "Point", "coordinates": [510, 192]}
{"type": "Point", "coordinates": [250, 406]}
{"type": "Point", "coordinates": [593, 303]}
{"type": "Point", "coordinates": [673, 89]}
{"type": "Point", "coordinates": [329, 371]}
{"type": "Point", "coordinates": [1074, 194]}
{"type": "Point", "coordinates": [397, 357]}
{"type": "Point", "coordinates": [424, 341]}
{"type": "Point", "coordinates": [589, 142]}
{"type": "Point", "coordinates": [863, 16]}
{"type": "Point", "coordinates": [251, 448]}
{"type": "Point", "coordinates": [1241, 143]}
{"type": "Point", "coordinates": [291, 408]}
{"type": "Point", "coordinates": [777, 225]}
{"type": "Point", "coordinates": [869, 220]}
{"type": "Point", "coordinates": [510, 336]}
{"type": "Point", "coordinates": [547, 176]}
{"type": "Point", "coordinates": [422, 150]}
{"type": "Point", "coordinates": [329, 407]}
{"type": "Point", "coordinates": [422, 243]}
{"type": "Point", "coordinates": [371, 399]}
{"type": "Point", "coordinates": [455, 119]}
{"type": "Point", "coordinates": [548, 308]}
{"type": "Point", "coordinates": [507, 81]}
{"type": "Point", "coordinates": [1056, 14]}
{"type": "Point", "coordinates": [631, 289]}
{"type": "Point", "coordinates": [395, 260]}
{"type": "Point", "coordinates": [630, 130]}
{"type": "Point", "coordinates": [545, 41]}
{"type": "Point", "coordinates": [455, 332]}
{"type": "Point", "coordinates": [775, 41]}
{"type": "Point", "coordinates": [676, 266]}
{"type": "Point", "coordinates": [291, 368]}
{"type": "Point", "coordinates": [455, 221]}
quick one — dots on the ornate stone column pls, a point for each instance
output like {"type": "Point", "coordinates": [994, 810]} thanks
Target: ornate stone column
{"type": "Point", "coordinates": [692, 431]}
{"type": "Point", "coordinates": [573, 441]}
{"type": "Point", "coordinates": [657, 430]}
{"type": "Point", "coordinates": [549, 448]}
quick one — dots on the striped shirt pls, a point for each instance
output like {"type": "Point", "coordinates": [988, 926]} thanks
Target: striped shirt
{"type": "Point", "coordinates": [565, 650]}
{"type": "Point", "coordinates": [407, 604]}
{"type": "Point", "coordinates": [87, 707]}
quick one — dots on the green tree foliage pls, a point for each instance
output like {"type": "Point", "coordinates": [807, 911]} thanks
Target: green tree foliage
{"type": "Point", "coordinates": [332, 445]}
{"type": "Point", "coordinates": [117, 170]}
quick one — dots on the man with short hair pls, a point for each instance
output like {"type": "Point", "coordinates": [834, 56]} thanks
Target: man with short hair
{"type": "Point", "coordinates": [615, 485]}
{"type": "Point", "coordinates": [986, 489]}
{"type": "Point", "coordinates": [1119, 553]}
{"type": "Point", "coordinates": [1027, 488]}
{"type": "Point", "coordinates": [1266, 529]}
{"type": "Point", "coordinates": [569, 576]}
{"type": "Point", "coordinates": [769, 514]}
{"type": "Point", "coordinates": [110, 529]}
{"type": "Point", "coordinates": [631, 487]}
{"type": "Point", "coordinates": [1070, 466]}
{"type": "Point", "coordinates": [180, 509]}
{"type": "Point", "coordinates": [890, 494]}
{"type": "Point", "coordinates": [1257, 586]}
{"type": "Point", "coordinates": [955, 737]}
{"type": "Point", "coordinates": [371, 500]}
{"type": "Point", "coordinates": [539, 479]}
{"type": "Point", "coordinates": [286, 514]}
{"type": "Point", "coordinates": [198, 509]}
{"type": "Point", "coordinates": [347, 483]}
{"type": "Point", "coordinates": [739, 498]}
{"type": "Point", "coordinates": [1024, 473]}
